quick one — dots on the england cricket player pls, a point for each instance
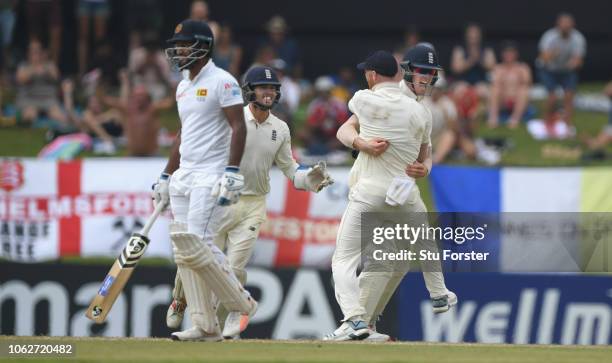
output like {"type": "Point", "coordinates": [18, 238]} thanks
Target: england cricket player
{"type": "Point", "coordinates": [201, 178]}
{"type": "Point", "coordinates": [420, 68]}
{"type": "Point", "coordinates": [394, 132]}
{"type": "Point", "coordinates": [268, 141]}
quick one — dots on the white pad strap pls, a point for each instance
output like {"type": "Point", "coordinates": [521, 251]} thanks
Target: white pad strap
{"type": "Point", "coordinates": [213, 269]}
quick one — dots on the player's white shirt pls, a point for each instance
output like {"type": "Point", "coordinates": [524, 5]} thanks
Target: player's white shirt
{"type": "Point", "coordinates": [266, 143]}
{"type": "Point", "coordinates": [387, 112]}
{"type": "Point", "coordinates": [205, 131]}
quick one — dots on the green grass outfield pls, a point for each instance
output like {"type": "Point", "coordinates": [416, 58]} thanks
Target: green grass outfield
{"type": "Point", "coordinates": [164, 350]}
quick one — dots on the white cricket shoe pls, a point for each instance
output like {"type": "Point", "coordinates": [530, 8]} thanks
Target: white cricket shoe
{"type": "Point", "coordinates": [443, 303]}
{"type": "Point", "coordinates": [236, 322]}
{"type": "Point", "coordinates": [175, 314]}
{"type": "Point", "coordinates": [375, 336]}
{"type": "Point", "coordinates": [195, 334]}
{"type": "Point", "coordinates": [349, 330]}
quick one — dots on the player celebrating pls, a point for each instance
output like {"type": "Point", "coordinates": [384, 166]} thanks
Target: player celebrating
{"type": "Point", "coordinates": [421, 68]}
{"type": "Point", "coordinates": [268, 141]}
{"type": "Point", "coordinates": [201, 174]}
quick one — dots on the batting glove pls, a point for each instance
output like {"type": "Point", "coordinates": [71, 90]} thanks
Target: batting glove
{"type": "Point", "coordinates": [229, 187]}
{"type": "Point", "coordinates": [313, 179]}
{"type": "Point", "coordinates": [160, 193]}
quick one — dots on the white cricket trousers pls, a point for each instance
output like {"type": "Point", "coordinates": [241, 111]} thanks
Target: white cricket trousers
{"type": "Point", "coordinates": [365, 297]}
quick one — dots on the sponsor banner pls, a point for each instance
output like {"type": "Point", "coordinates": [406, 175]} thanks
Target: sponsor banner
{"type": "Point", "coordinates": [51, 299]}
{"type": "Point", "coordinates": [89, 208]}
{"type": "Point", "coordinates": [511, 308]}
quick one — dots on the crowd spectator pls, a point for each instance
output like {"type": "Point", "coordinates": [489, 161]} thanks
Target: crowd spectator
{"type": "Point", "coordinates": [103, 125]}
{"type": "Point", "coordinates": [149, 66]}
{"type": "Point", "coordinates": [324, 117]}
{"type": "Point", "coordinates": [604, 138]}
{"type": "Point", "coordinates": [199, 11]}
{"type": "Point", "coordinates": [511, 82]}
{"type": "Point", "coordinates": [411, 38]}
{"type": "Point", "coordinates": [44, 19]}
{"type": "Point", "coordinates": [227, 54]}
{"type": "Point", "coordinates": [290, 91]}
{"type": "Point", "coordinates": [447, 133]}
{"type": "Point", "coordinates": [37, 86]}
{"type": "Point", "coordinates": [140, 112]}
{"type": "Point", "coordinates": [346, 84]}
{"type": "Point", "coordinates": [7, 24]}
{"type": "Point", "coordinates": [562, 50]}
{"type": "Point", "coordinates": [139, 22]}
{"type": "Point", "coordinates": [285, 47]}
{"type": "Point", "coordinates": [472, 61]}
{"type": "Point", "coordinates": [103, 68]}
{"type": "Point", "coordinates": [88, 12]}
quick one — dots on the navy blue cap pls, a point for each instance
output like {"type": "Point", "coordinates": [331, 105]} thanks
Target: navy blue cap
{"type": "Point", "coordinates": [382, 62]}
{"type": "Point", "coordinates": [191, 30]}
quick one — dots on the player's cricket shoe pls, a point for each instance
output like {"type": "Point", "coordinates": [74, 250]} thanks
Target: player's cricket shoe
{"type": "Point", "coordinates": [375, 336]}
{"type": "Point", "coordinates": [443, 303]}
{"type": "Point", "coordinates": [175, 314]}
{"type": "Point", "coordinates": [195, 334]}
{"type": "Point", "coordinates": [236, 322]}
{"type": "Point", "coordinates": [349, 330]}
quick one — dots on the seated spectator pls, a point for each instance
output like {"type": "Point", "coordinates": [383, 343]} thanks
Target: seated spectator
{"type": "Point", "coordinates": [604, 138]}
{"type": "Point", "coordinates": [346, 85]}
{"type": "Point", "coordinates": [324, 116]}
{"type": "Point", "coordinates": [472, 61]}
{"type": "Point", "coordinates": [149, 66]}
{"type": "Point", "coordinates": [227, 54]}
{"type": "Point", "coordinates": [509, 98]}
{"type": "Point", "coordinates": [105, 125]}
{"type": "Point", "coordinates": [446, 132]}
{"type": "Point", "coordinates": [140, 113]}
{"type": "Point", "coordinates": [285, 47]}
{"type": "Point", "coordinates": [37, 87]}
{"type": "Point", "coordinates": [562, 51]}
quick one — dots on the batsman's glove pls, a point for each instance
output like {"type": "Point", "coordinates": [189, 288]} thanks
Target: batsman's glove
{"type": "Point", "coordinates": [313, 179]}
{"type": "Point", "coordinates": [228, 189]}
{"type": "Point", "coordinates": [160, 193]}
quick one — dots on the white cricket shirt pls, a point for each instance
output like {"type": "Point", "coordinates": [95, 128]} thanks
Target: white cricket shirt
{"type": "Point", "coordinates": [266, 143]}
{"type": "Point", "coordinates": [205, 131]}
{"type": "Point", "coordinates": [386, 112]}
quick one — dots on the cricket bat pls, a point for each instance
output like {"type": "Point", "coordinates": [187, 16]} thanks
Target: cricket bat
{"type": "Point", "coordinates": [120, 272]}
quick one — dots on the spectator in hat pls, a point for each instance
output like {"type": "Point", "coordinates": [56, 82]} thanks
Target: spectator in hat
{"type": "Point", "coordinates": [324, 116]}
{"type": "Point", "coordinates": [562, 51]}
{"type": "Point", "coordinates": [511, 82]}
{"type": "Point", "coordinates": [285, 47]}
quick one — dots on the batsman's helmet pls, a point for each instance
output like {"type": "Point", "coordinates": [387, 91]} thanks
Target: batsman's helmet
{"type": "Point", "coordinates": [200, 37]}
{"type": "Point", "coordinates": [422, 56]}
{"type": "Point", "coordinates": [260, 76]}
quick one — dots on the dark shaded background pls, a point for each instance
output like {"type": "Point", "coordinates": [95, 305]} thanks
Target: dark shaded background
{"type": "Point", "coordinates": [336, 33]}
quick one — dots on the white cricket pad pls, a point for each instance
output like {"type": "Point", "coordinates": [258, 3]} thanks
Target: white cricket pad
{"type": "Point", "coordinates": [191, 252]}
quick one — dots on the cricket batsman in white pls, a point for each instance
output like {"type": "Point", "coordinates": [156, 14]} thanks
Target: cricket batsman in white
{"type": "Point", "coordinates": [201, 178]}
{"type": "Point", "coordinates": [393, 132]}
{"type": "Point", "coordinates": [268, 142]}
